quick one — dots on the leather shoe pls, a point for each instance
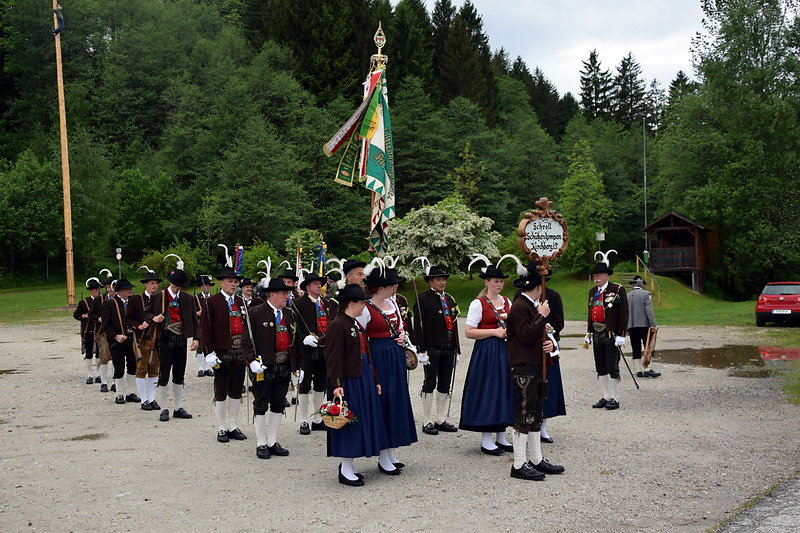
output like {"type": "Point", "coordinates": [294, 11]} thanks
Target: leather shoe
{"type": "Point", "coordinates": [651, 374]}
{"type": "Point", "coordinates": [350, 482]}
{"type": "Point", "coordinates": [89, 380]}
{"type": "Point", "coordinates": [103, 388]}
{"type": "Point", "coordinates": [200, 373]}
{"type": "Point", "coordinates": [209, 372]}
{"type": "Point", "coordinates": [97, 379]}
{"type": "Point", "coordinates": [446, 426]}
{"type": "Point", "coordinates": [154, 405]}
{"type": "Point", "coordinates": [359, 476]}
{"type": "Point", "coordinates": [133, 398]}
{"type": "Point", "coordinates": [277, 449]}
{"type": "Point", "coordinates": [113, 388]}
{"type": "Point", "coordinates": [236, 434]}
{"type": "Point", "coordinates": [147, 407]}
{"type": "Point", "coordinates": [600, 403]}
{"type": "Point", "coordinates": [120, 399]}
{"type": "Point", "coordinates": [398, 465]}
{"type": "Point", "coordinates": [304, 429]}
{"type": "Point", "coordinates": [546, 468]}
{"type": "Point", "coordinates": [640, 374]}
{"type": "Point", "coordinates": [262, 452]}
{"type": "Point", "coordinates": [505, 447]}
{"type": "Point", "coordinates": [222, 436]}
{"type": "Point", "coordinates": [612, 404]}
{"type": "Point", "coordinates": [395, 472]}
{"type": "Point", "coordinates": [548, 440]}
{"type": "Point", "coordinates": [527, 473]}
{"type": "Point", "coordinates": [428, 429]}
{"type": "Point", "coordinates": [496, 451]}
{"type": "Point", "coordinates": [164, 416]}
{"type": "Point", "coordinates": [318, 426]}
{"type": "Point", "coordinates": [181, 413]}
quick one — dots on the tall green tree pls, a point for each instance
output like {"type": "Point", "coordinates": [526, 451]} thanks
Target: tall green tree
{"type": "Point", "coordinates": [596, 88]}
{"type": "Point", "coordinates": [628, 96]}
{"type": "Point", "coordinates": [411, 43]}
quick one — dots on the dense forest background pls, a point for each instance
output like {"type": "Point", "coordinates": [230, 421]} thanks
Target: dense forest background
{"type": "Point", "coordinates": [198, 122]}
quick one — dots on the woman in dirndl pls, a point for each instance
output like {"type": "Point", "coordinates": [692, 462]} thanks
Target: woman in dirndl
{"type": "Point", "coordinates": [487, 402]}
{"type": "Point", "coordinates": [383, 323]}
{"type": "Point", "coordinates": [352, 377]}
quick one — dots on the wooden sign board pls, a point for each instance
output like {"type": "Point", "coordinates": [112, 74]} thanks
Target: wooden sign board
{"type": "Point", "coordinates": [543, 233]}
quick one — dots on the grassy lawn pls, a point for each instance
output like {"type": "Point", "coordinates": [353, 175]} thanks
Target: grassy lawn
{"type": "Point", "coordinates": [34, 304]}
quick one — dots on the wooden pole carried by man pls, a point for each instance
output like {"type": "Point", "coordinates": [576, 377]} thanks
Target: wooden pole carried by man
{"type": "Point", "coordinates": [58, 26]}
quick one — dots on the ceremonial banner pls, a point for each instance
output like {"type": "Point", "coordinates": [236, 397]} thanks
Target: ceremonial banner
{"type": "Point", "coordinates": [239, 265]}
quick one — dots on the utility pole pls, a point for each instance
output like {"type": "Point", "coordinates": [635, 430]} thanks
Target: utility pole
{"type": "Point", "coordinates": [644, 173]}
{"type": "Point", "coordinates": [62, 114]}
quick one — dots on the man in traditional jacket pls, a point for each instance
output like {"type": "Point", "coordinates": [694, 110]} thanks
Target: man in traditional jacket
{"type": "Point", "coordinates": [607, 325]}
{"type": "Point", "coordinates": [201, 301]}
{"type": "Point", "coordinates": [147, 364]}
{"type": "Point", "coordinates": [436, 337]}
{"type": "Point", "coordinates": [226, 342]}
{"type": "Point", "coordinates": [119, 334]}
{"type": "Point", "coordinates": [88, 312]}
{"type": "Point", "coordinates": [314, 312]}
{"type": "Point", "coordinates": [276, 355]}
{"type": "Point", "coordinates": [174, 314]}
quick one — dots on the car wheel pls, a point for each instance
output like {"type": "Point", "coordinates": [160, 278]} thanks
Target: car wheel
{"type": "Point", "coordinates": [760, 323]}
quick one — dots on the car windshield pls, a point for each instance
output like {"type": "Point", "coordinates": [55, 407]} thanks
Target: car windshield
{"type": "Point", "coordinates": [782, 290]}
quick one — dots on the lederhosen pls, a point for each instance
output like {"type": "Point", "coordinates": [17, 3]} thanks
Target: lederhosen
{"type": "Point", "coordinates": [172, 344]}
{"type": "Point", "coordinates": [606, 353]}
{"type": "Point", "coordinates": [271, 386]}
{"type": "Point", "coordinates": [314, 366]}
{"type": "Point", "coordinates": [526, 375]}
{"type": "Point", "coordinates": [229, 374]}
{"type": "Point", "coordinates": [147, 363]}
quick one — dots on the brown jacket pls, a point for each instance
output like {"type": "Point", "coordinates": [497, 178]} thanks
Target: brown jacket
{"type": "Point", "coordinates": [92, 307]}
{"type": "Point", "coordinates": [526, 333]}
{"type": "Point", "coordinates": [343, 351]}
{"type": "Point", "coordinates": [135, 314]}
{"type": "Point", "coordinates": [429, 325]}
{"type": "Point", "coordinates": [262, 318]}
{"type": "Point", "coordinates": [215, 325]}
{"type": "Point", "coordinates": [113, 311]}
{"type": "Point", "coordinates": [615, 303]}
{"type": "Point", "coordinates": [157, 305]}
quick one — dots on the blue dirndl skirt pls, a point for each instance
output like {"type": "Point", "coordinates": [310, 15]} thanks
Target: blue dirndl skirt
{"type": "Point", "coordinates": [390, 362]}
{"type": "Point", "coordinates": [554, 404]}
{"type": "Point", "coordinates": [487, 404]}
{"type": "Point", "coordinates": [367, 437]}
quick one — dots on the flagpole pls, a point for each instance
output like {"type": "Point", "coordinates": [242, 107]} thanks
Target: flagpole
{"type": "Point", "coordinates": [377, 61]}
{"type": "Point", "coordinates": [62, 113]}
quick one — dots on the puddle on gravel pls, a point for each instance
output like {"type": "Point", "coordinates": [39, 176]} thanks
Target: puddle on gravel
{"type": "Point", "coordinates": [90, 436]}
{"type": "Point", "coordinates": [751, 357]}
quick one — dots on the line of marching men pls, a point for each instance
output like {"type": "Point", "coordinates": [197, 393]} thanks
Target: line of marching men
{"type": "Point", "coordinates": [357, 346]}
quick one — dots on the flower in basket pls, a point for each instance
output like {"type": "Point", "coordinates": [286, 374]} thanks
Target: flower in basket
{"type": "Point", "coordinates": [336, 414]}
{"type": "Point", "coordinates": [334, 410]}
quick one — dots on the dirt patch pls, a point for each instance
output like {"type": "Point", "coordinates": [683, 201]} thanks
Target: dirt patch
{"type": "Point", "coordinates": [90, 436]}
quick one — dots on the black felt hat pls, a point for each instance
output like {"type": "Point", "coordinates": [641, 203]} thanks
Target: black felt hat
{"type": "Point", "coordinates": [178, 277]}
{"type": "Point", "coordinates": [351, 292]}
{"type": "Point", "coordinates": [637, 280]}
{"type": "Point", "coordinates": [288, 274]}
{"type": "Point", "coordinates": [601, 268]}
{"type": "Point", "coordinates": [530, 280]}
{"type": "Point", "coordinates": [150, 276]}
{"type": "Point", "coordinates": [109, 280]}
{"type": "Point", "coordinates": [392, 274]}
{"type": "Point", "coordinates": [246, 281]}
{"type": "Point", "coordinates": [435, 272]}
{"type": "Point", "coordinates": [277, 284]}
{"type": "Point", "coordinates": [204, 279]}
{"type": "Point", "coordinates": [377, 278]}
{"type": "Point", "coordinates": [350, 264]}
{"type": "Point", "coordinates": [492, 272]}
{"type": "Point", "coordinates": [311, 278]}
{"type": "Point", "coordinates": [122, 284]}
{"type": "Point", "coordinates": [228, 273]}
{"type": "Point", "coordinates": [92, 284]}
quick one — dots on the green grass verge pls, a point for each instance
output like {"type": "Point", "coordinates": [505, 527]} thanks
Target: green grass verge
{"type": "Point", "coordinates": [743, 508]}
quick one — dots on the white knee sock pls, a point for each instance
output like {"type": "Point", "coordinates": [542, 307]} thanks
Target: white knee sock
{"type": "Point", "coordinates": [162, 395]}
{"type": "Point", "coordinates": [177, 392]}
{"type": "Point", "coordinates": [441, 407]}
{"type": "Point", "coordinates": [88, 363]}
{"type": "Point", "coordinates": [605, 385]}
{"type": "Point", "coordinates": [427, 408]}
{"type": "Point", "coordinates": [234, 406]}
{"type": "Point", "coordinates": [520, 441]}
{"type": "Point", "coordinates": [104, 374]}
{"type": "Point", "coordinates": [392, 458]}
{"type": "Point", "coordinates": [201, 362]}
{"type": "Point", "coordinates": [535, 447]}
{"type": "Point", "coordinates": [141, 388]}
{"type": "Point", "coordinates": [614, 388]}
{"type": "Point", "coordinates": [488, 441]}
{"type": "Point", "coordinates": [347, 468]}
{"type": "Point", "coordinates": [273, 425]}
{"type": "Point", "coordinates": [501, 438]}
{"type": "Point", "coordinates": [385, 461]}
{"type": "Point", "coordinates": [221, 410]}
{"type": "Point", "coordinates": [302, 406]}
{"type": "Point", "coordinates": [544, 430]}
{"type": "Point", "coordinates": [151, 389]}
{"type": "Point", "coordinates": [319, 399]}
{"type": "Point", "coordinates": [120, 387]}
{"type": "Point", "coordinates": [260, 425]}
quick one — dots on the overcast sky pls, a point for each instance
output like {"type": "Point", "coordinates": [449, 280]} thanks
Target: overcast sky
{"type": "Point", "coordinates": [557, 35]}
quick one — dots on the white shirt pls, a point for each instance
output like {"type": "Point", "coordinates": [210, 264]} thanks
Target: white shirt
{"type": "Point", "coordinates": [604, 287]}
{"type": "Point", "coordinates": [173, 294]}
{"type": "Point", "coordinates": [475, 311]}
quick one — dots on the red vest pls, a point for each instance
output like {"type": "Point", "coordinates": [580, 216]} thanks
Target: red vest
{"type": "Point", "coordinates": [282, 343]}
{"type": "Point", "coordinates": [488, 318]}
{"type": "Point", "coordinates": [174, 308]}
{"type": "Point", "coordinates": [362, 339]}
{"type": "Point", "coordinates": [322, 317]}
{"type": "Point", "coordinates": [377, 328]}
{"type": "Point", "coordinates": [598, 312]}
{"type": "Point", "coordinates": [236, 324]}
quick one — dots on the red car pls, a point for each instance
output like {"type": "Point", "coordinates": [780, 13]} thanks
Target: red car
{"type": "Point", "coordinates": [779, 302]}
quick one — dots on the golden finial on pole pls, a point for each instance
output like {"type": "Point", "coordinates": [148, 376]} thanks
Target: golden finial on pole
{"type": "Point", "coordinates": [379, 60]}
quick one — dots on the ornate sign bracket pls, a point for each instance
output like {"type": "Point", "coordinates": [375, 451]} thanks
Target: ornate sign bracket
{"type": "Point", "coordinates": [543, 234]}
